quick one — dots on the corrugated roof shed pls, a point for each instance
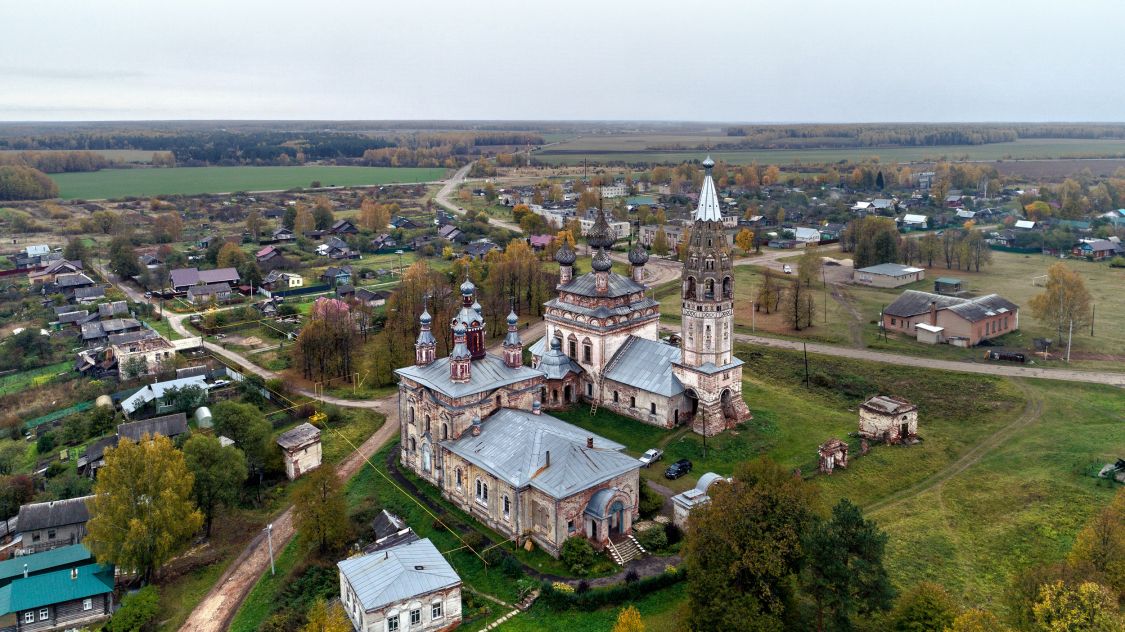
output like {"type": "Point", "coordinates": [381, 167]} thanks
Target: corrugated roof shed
{"type": "Point", "coordinates": [398, 573]}
{"type": "Point", "coordinates": [303, 435]}
{"type": "Point", "coordinates": [168, 425]}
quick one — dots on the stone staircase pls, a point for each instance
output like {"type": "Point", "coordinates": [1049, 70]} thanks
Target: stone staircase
{"type": "Point", "coordinates": [625, 551]}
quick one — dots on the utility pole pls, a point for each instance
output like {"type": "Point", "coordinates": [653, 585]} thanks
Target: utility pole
{"type": "Point", "coordinates": [1093, 311]}
{"type": "Point", "coordinates": [1069, 338]}
{"type": "Point", "coordinates": [805, 346]}
{"type": "Point", "coordinates": [824, 282]}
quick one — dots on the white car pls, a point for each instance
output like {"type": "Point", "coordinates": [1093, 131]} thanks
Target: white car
{"type": "Point", "coordinates": [220, 383]}
{"type": "Point", "coordinates": [787, 269]}
{"type": "Point", "coordinates": [651, 456]}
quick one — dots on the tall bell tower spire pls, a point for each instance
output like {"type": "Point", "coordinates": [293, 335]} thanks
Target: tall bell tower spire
{"type": "Point", "coordinates": [707, 366]}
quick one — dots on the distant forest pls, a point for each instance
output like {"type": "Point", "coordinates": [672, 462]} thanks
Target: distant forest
{"type": "Point", "coordinates": [904, 135]}
{"type": "Point", "coordinates": [205, 147]}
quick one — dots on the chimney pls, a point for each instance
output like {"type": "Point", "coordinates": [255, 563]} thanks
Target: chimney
{"type": "Point", "coordinates": [74, 573]}
{"type": "Point", "coordinates": [589, 442]}
{"type": "Point", "coordinates": [548, 461]}
{"type": "Point", "coordinates": [536, 408]}
{"type": "Point", "coordinates": [933, 313]}
{"type": "Point", "coordinates": [476, 426]}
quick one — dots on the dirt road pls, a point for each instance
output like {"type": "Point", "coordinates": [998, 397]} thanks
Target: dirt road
{"type": "Point", "coordinates": [218, 608]}
{"type": "Point", "coordinates": [1065, 375]}
{"type": "Point", "coordinates": [450, 185]}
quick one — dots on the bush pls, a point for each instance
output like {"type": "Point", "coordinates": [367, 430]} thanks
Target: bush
{"type": "Point", "coordinates": [653, 539]}
{"type": "Point", "coordinates": [45, 443]}
{"type": "Point", "coordinates": [612, 596]}
{"type": "Point", "coordinates": [1117, 262]}
{"type": "Point", "coordinates": [651, 501]}
{"type": "Point", "coordinates": [137, 611]}
{"type": "Point", "coordinates": [578, 555]}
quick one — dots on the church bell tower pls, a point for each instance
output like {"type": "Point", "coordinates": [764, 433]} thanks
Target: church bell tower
{"type": "Point", "coordinates": [707, 367]}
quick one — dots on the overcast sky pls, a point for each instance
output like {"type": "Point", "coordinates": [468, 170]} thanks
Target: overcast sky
{"type": "Point", "coordinates": [785, 60]}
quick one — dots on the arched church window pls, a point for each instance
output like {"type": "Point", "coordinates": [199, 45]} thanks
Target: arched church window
{"type": "Point", "coordinates": [709, 289]}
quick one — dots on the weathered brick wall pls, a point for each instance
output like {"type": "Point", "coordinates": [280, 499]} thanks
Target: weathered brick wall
{"type": "Point", "coordinates": [376, 619]}
{"type": "Point", "coordinates": [880, 426]}
{"type": "Point", "coordinates": [668, 409]}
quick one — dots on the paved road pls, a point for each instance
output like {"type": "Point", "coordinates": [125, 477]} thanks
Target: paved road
{"type": "Point", "coordinates": [218, 608]}
{"type": "Point", "coordinates": [1066, 375]}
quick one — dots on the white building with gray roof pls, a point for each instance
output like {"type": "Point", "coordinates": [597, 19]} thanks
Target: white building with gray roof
{"type": "Point", "coordinates": [405, 587]}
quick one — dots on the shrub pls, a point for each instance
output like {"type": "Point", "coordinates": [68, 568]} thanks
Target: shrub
{"type": "Point", "coordinates": [653, 539]}
{"type": "Point", "coordinates": [614, 595]}
{"type": "Point", "coordinates": [45, 443]}
{"type": "Point", "coordinates": [137, 611]}
{"type": "Point", "coordinates": [562, 587]}
{"type": "Point", "coordinates": [673, 533]}
{"type": "Point", "coordinates": [578, 555]}
{"type": "Point", "coordinates": [583, 587]}
{"type": "Point", "coordinates": [651, 501]}
{"type": "Point", "coordinates": [1117, 262]}
{"type": "Point", "coordinates": [511, 567]}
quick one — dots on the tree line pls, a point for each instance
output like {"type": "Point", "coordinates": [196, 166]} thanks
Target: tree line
{"type": "Point", "coordinates": [876, 240]}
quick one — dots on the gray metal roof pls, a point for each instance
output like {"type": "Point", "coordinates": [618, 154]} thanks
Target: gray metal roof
{"type": "Point", "coordinates": [888, 405]}
{"type": "Point", "coordinates": [302, 435]}
{"type": "Point", "coordinates": [890, 269]}
{"type": "Point", "coordinates": [602, 311]}
{"type": "Point", "coordinates": [599, 503]}
{"type": "Point", "coordinates": [156, 390]}
{"type": "Point", "coordinates": [95, 291]}
{"type": "Point", "coordinates": [538, 347]}
{"type": "Point", "coordinates": [647, 365]}
{"type": "Point", "coordinates": [913, 302]}
{"type": "Point", "coordinates": [708, 209]}
{"type": "Point", "coordinates": [555, 363]}
{"type": "Point", "coordinates": [55, 513]}
{"type": "Point", "coordinates": [486, 373]}
{"type": "Point", "coordinates": [168, 425]}
{"type": "Point", "coordinates": [618, 286]}
{"type": "Point", "coordinates": [513, 445]}
{"type": "Point", "coordinates": [74, 279]}
{"type": "Point", "coordinates": [398, 573]}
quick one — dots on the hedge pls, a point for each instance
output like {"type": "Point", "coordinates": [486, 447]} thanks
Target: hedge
{"type": "Point", "coordinates": [612, 596]}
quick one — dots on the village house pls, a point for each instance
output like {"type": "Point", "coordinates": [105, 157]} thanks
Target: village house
{"type": "Point", "coordinates": [888, 275]}
{"type": "Point", "coordinates": [409, 586]}
{"type": "Point", "coordinates": [277, 281]}
{"type": "Point", "coordinates": [912, 221]}
{"type": "Point", "coordinates": [138, 356]}
{"type": "Point", "coordinates": [300, 448]}
{"type": "Point", "coordinates": [380, 242]}
{"type": "Point", "coordinates": [209, 293]}
{"type": "Point", "coordinates": [688, 501]}
{"type": "Point", "coordinates": [90, 294]}
{"type": "Point", "coordinates": [269, 257]}
{"type": "Point", "coordinates": [480, 248]}
{"type": "Point", "coordinates": [156, 392]}
{"type": "Point", "coordinates": [807, 236]}
{"type": "Point", "coordinates": [62, 589]}
{"type": "Point", "coordinates": [283, 234]}
{"type": "Point", "coordinates": [53, 524]}
{"type": "Point", "coordinates": [343, 227]}
{"type": "Point", "coordinates": [184, 278]}
{"type": "Point", "coordinates": [54, 269]}
{"type": "Point", "coordinates": [98, 332]}
{"type": "Point", "coordinates": [449, 232]}
{"type": "Point", "coordinates": [372, 298]}
{"type": "Point", "coordinates": [337, 276]}
{"type": "Point", "coordinates": [888, 419]}
{"type": "Point", "coordinates": [170, 426]}
{"type": "Point", "coordinates": [67, 284]}
{"type": "Point", "coordinates": [404, 223]}
{"type": "Point", "coordinates": [1097, 249]}
{"type": "Point", "coordinates": [963, 322]}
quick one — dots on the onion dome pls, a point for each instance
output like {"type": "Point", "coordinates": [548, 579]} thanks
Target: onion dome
{"type": "Point", "coordinates": [556, 344]}
{"type": "Point", "coordinates": [600, 235]}
{"type": "Point", "coordinates": [565, 255]}
{"type": "Point", "coordinates": [512, 318]}
{"type": "Point", "coordinates": [425, 318]}
{"type": "Point", "coordinates": [460, 350]}
{"type": "Point", "coordinates": [638, 256]}
{"type": "Point", "coordinates": [708, 163]}
{"type": "Point", "coordinates": [459, 329]}
{"type": "Point", "coordinates": [602, 262]}
{"type": "Point", "coordinates": [467, 288]}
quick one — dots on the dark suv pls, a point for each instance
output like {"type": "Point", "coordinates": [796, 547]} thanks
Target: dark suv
{"type": "Point", "coordinates": [678, 469]}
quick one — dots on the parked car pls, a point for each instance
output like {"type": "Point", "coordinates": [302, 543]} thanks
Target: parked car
{"type": "Point", "coordinates": [220, 383]}
{"type": "Point", "coordinates": [787, 269]}
{"type": "Point", "coordinates": [678, 469]}
{"type": "Point", "coordinates": [651, 456]}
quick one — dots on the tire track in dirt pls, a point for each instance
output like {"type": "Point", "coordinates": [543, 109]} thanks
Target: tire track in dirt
{"type": "Point", "coordinates": [1031, 413]}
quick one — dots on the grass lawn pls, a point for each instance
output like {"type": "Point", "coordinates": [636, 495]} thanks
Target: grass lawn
{"type": "Point", "coordinates": [31, 378]}
{"type": "Point", "coordinates": [663, 610]}
{"type": "Point", "coordinates": [118, 183]}
{"type": "Point", "coordinates": [1020, 506]}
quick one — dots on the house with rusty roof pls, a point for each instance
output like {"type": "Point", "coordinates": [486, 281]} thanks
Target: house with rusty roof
{"type": "Point", "coordinates": [940, 318]}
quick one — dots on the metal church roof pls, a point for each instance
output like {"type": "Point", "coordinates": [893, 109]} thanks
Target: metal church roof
{"type": "Point", "coordinates": [486, 374]}
{"type": "Point", "coordinates": [708, 209]}
{"type": "Point", "coordinates": [513, 445]}
{"type": "Point", "coordinates": [647, 365]}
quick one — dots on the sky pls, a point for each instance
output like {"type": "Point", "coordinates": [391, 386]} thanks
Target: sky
{"type": "Point", "coordinates": [731, 61]}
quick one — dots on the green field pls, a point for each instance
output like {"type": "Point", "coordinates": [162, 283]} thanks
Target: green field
{"type": "Point", "coordinates": [118, 183]}
{"type": "Point", "coordinates": [631, 149]}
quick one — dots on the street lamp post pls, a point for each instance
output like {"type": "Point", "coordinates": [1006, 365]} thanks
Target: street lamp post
{"type": "Point", "coordinates": [269, 538]}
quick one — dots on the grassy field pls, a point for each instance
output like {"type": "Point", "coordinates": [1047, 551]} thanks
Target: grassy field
{"type": "Point", "coordinates": [118, 183]}
{"type": "Point", "coordinates": [1018, 501]}
{"type": "Point", "coordinates": [663, 610]}
{"type": "Point", "coordinates": [632, 149]}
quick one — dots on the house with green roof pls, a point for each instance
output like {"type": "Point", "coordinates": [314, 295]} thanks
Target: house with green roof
{"type": "Point", "coordinates": [48, 592]}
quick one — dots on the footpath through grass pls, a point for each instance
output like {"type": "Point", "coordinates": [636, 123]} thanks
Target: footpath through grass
{"type": "Point", "coordinates": [118, 183]}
